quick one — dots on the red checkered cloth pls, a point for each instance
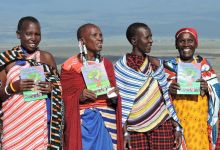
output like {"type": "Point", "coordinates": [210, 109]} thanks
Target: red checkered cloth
{"type": "Point", "coordinates": [161, 138]}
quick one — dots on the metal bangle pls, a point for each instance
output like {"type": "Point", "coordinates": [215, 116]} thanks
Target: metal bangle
{"type": "Point", "coordinates": [12, 88]}
{"type": "Point", "coordinates": [6, 92]}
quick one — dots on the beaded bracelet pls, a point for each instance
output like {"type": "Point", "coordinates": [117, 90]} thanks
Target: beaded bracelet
{"type": "Point", "coordinates": [12, 88]}
{"type": "Point", "coordinates": [178, 129]}
{"type": "Point", "coordinates": [6, 92]}
{"type": "Point", "coordinates": [126, 133]}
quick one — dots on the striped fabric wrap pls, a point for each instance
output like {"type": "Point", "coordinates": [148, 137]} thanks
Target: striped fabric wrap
{"type": "Point", "coordinates": [109, 117]}
{"type": "Point", "coordinates": [10, 56]}
{"type": "Point", "coordinates": [130, 82]}
{"type": "Point", "coordinates": [209, 75]}
{"type": "Point", "coordinates": [57, 105]}
{"type": "Point", "coordinates": [149, 110]}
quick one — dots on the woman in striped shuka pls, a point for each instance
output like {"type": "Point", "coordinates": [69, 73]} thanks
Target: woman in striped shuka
{"type": "Point", "coordinates": [148, 116]}
{"type": "Point", "coordinates": [36, 124]}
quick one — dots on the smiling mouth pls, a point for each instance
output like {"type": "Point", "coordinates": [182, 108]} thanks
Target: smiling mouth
{"type": "Point", "coordinates": [100, 45]}
{"type": "Point", "coordinates": [186, 50]}
{"type": "Point", "coordinates": [32, 45]}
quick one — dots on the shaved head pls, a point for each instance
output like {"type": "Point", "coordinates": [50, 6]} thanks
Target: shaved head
{"type": "Point", "coordinates": [84, 29]}
{"type": "Point", "coordinates": [133, 30]}
{"type": "Point", "coordinates": [90, 36]}
{"type": "Point", "coordinates": [26, 19]}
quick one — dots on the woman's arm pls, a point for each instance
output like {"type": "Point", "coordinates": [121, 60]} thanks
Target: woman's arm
{"type": "Point", "coordinates": [47, 58]}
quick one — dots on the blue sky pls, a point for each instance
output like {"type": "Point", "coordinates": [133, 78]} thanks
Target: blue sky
{"type": "Point", "coordinates": [60, 18]}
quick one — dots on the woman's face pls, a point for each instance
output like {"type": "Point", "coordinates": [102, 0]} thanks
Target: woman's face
{"type": "Point", "coordinates": [186, 45]}
{"type": "Point", "coordinates": [30, 36]}
{"type": "Point", "coordinates": [143, 41]}
{"type": "Point", "coordinates": [93, 38]}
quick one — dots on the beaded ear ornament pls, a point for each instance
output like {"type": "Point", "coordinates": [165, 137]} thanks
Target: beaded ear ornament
{"type": "Point", "coordinates": [84, 54]}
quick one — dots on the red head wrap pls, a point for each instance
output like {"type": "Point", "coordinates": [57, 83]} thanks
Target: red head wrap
{"type": "Point", "coordinates": [188, 30]}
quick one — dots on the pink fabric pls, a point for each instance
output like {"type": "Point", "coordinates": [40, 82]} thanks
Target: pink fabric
{"type": "Point", "coordinates": [24, 123]}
